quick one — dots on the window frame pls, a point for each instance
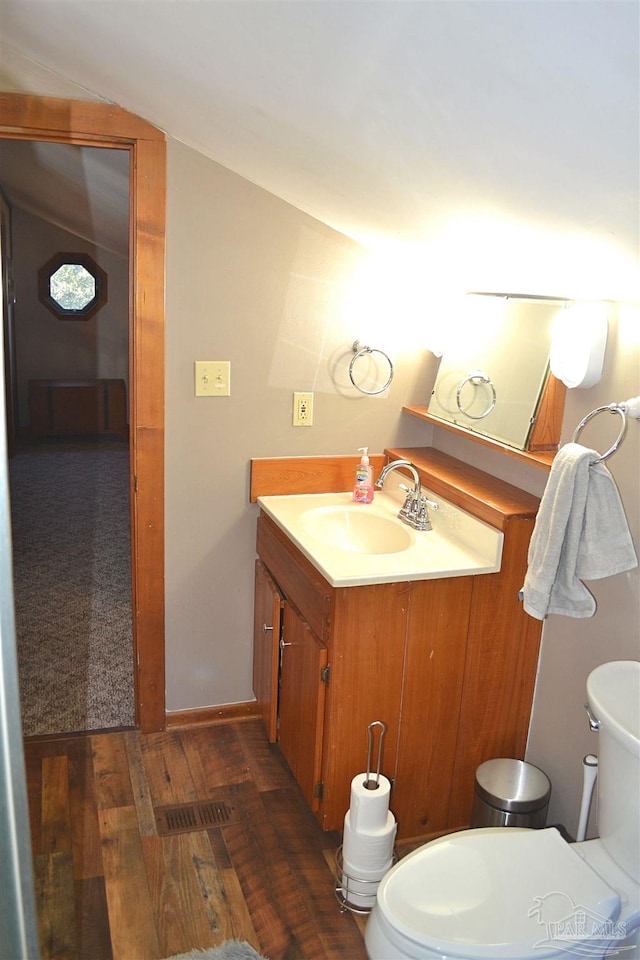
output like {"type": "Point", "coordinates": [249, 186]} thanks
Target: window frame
{"type": "Point", "coordinates": [80, 259]}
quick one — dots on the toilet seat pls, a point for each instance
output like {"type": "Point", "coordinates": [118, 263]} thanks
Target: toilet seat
{"type": "Point", "coordinates": [450, 896]}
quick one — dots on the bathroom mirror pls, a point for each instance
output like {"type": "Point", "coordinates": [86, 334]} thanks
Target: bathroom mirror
{"type": "Point", "coordinates": [491, 380]}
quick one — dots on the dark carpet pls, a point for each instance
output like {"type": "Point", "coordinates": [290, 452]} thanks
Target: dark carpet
{"type": "Point", "coordinates": [72, 585]}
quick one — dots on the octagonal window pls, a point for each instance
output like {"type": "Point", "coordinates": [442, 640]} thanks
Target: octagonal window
{"type": "Point", "coordinates": [72, 286]}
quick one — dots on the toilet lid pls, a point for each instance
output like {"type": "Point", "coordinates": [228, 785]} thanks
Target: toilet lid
{"type": "Point", "coordinates": [495, 893]}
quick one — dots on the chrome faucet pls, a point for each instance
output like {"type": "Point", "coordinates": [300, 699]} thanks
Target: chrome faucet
{"type": "Point", "coordinates": [414, 511]}
{"type": "Point", "coordinates": [397, 465]}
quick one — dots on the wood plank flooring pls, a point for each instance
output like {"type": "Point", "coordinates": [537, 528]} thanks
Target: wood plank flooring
{"type": "Point", "coordinates": [109, 887]}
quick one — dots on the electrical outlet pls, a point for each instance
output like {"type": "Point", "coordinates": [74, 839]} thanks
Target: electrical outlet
{"type": "Point", "coordinates": [212, 378]}
{"type": "Point", "coordinates": [302, 409]}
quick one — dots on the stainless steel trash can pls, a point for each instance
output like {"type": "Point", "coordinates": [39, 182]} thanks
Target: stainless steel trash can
{"type": "Point", "coordinates": [510, 793]}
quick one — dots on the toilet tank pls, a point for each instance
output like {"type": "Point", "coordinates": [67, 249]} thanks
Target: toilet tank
{"type": "Point", "coordinates": [613, 692]}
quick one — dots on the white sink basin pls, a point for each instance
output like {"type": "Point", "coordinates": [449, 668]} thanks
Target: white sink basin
{"type": "Point", "coordinates": [353, 544]}
{"type": "Point", "coordinates": [357, 529]}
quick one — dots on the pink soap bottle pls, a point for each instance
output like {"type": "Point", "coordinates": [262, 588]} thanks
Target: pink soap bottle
{"type": "Point", "coordinates": [363, 487]}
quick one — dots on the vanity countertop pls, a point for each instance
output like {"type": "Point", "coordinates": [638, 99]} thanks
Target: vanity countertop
{"type": "Point", "coordinates": [487, 497]}
{"type": "Point", "coordinates": [356, 544]}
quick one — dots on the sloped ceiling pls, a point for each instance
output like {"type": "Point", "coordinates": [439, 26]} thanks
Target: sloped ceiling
{"type": "Point", "coordinates": [385, 120]}
{"type": "Point", "coordinates": [84, 190]}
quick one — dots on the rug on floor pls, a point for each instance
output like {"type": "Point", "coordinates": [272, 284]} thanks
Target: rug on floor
{"type": "Point", "coordinates": [72, 585]}
{"type": "Point", "coordinates": [229, 950]}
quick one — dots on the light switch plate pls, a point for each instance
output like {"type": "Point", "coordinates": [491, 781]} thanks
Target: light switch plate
{"type": "Point", "coordinates": [212, 378]}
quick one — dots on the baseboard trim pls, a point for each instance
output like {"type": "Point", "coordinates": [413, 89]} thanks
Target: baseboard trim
{"type": "Point", "coordinates": [222, 714]}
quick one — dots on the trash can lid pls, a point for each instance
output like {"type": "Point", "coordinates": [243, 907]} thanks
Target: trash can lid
{"type": "Point", "coordinates": [512, 785]}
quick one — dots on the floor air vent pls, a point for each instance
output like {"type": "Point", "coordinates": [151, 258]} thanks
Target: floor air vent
{"type": "Point", "coordinates": [194, 816]}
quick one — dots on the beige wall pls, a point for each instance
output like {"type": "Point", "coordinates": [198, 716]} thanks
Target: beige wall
{"type": "Point", "coordinates": [256, 282]}
{"type": "Point", "coordinates": [560, 736]}
{"type": "Point", "coordinates": [47, 347]}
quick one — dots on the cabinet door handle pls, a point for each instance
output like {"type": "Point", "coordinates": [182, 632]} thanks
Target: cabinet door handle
{"type": "Point", "coordinates": [266, 628]}
{"type": "Point", "coordinates": [283, 643]}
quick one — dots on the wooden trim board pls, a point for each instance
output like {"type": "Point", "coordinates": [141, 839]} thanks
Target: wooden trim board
{"type": "Point", "coordinates": [490, 499]}
{"type": "Point", "coordinates": [536, 458]}
{"type": "Point", "coordinates": [26, 117]}
{"type": "Point", "coordinates": [226, 713]}
{"type": "Point", "coordinates": [281, 476]}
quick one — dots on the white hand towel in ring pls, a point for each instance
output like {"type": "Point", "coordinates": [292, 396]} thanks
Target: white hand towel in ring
{"type": "Point", "coordinates": [581, 532]}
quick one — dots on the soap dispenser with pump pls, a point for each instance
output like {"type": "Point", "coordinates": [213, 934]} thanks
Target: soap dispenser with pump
{"type": "Point", "coordinates": [363, 487]}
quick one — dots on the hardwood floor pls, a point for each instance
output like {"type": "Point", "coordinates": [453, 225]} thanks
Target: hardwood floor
{"type": "Point", "coordinates": [109, 886]}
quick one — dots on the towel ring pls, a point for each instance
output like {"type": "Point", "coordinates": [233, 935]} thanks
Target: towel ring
{"type": "Point", "coordinates": [477, 377]}
{"type": "Point", "coordinates": [611, 408]}
{"type": "Point", "coordinates": [360, 352]}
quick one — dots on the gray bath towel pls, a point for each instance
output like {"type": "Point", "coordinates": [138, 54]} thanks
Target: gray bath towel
{"type": "Point", "coordinates": [581, 532]}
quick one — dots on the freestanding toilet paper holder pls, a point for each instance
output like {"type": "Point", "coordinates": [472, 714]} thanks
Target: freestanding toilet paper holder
{"type": "Point", "coordinates": [348, 889]}
{"type": "Point", "coordinates": [357, 893]}
{"type": "Point", "coordinates": [369, 783]}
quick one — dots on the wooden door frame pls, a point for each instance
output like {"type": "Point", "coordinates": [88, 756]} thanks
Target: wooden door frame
{"type": "Point", "coordinates": [89, 123]}
{"type": "Point", "coordinates": [6, 266]}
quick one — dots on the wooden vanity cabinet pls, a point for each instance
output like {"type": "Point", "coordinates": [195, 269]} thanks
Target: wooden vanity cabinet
{"type": "Point", "coordinates": [358, 634]}
{"type": "Point", "coordinates": [448, 665]}
{"type": "Point", "coordinates": [393, 652]}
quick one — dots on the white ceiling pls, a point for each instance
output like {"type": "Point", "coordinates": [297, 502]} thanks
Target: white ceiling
{"type": "Point", "coordinates": [385, 120]}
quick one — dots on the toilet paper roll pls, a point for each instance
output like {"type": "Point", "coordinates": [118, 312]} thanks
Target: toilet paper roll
{"type": "Point", "coordinates": [357, 873]}
{"type": "Point", "coordinates": [359, 886]}
{"type": "Point", "coordinates": [367, 852]}
{"type": "Point", "coordinates": [369, 808]}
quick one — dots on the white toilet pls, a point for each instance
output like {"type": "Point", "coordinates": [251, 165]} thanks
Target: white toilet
{"type": "Point", "coordinates": [508, 893]}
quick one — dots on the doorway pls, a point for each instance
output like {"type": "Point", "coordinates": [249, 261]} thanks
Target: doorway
{"type": "Point", "coordinates": [102, 125]}
{"type": "Point", "coordinates": [69, 468]}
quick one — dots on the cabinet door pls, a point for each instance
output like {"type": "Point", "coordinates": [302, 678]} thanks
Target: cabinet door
{"type": "Point", "coordinates": [434, 675]}
{"type": "Point", "coordinates": [302, 698]}
{"type": "Point", "coordinates": [267, 613]}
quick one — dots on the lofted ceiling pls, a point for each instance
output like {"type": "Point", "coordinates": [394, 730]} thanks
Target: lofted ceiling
{"type": "Point", "coordinates": [389, 121]}
{"type": "Point", "coordinates": [83, 190]}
